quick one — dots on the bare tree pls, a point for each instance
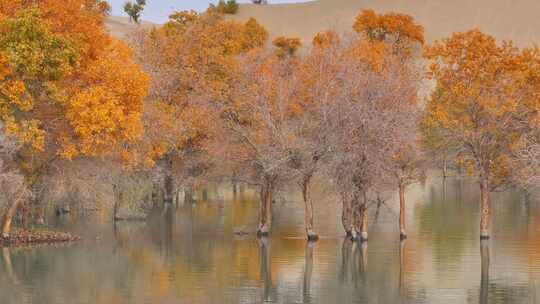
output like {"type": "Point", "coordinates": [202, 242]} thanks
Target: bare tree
{"type": "Point", "coordinates": [260, 127]}
{"type": "Point", "coordinates": [373, 120]}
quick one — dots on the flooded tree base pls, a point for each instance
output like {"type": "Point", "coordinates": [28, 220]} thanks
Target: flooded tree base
{"type": "Point", "coordinates": [30, 237]}
{"type": "Point", "coordinates": [261, 233]}
{"type": "Point", "coordinates": [312, 237]}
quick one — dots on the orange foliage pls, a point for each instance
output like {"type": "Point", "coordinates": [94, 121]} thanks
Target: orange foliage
{"type": "Point", "coordinates": [326, 39]}
{"type": "Point", "coordinates": [401, 29]}
{"type": "Point", "coordinates": [69, 89]}
{"type": "Point", "coordinates": [192, 59]}
{"type": "Point", "coordinates": [286, 47]}
{"type": "Point", "coordinates": [486, 96]}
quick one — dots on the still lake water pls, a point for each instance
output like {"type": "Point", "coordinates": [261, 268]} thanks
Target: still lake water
{"type": "Point", "coordinates": [191, 255]}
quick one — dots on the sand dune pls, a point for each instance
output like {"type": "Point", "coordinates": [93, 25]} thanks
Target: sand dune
{"type": "Point", "coordinates": [517, 20]}
{"type": "Point", "coordinates": [120, 27]}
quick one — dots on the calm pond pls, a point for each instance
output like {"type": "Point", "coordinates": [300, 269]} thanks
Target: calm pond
{"type": "Point", "coordinates": [192, 255]}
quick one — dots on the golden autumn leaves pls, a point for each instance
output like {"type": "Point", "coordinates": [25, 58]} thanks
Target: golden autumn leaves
{"type": "Point", "coordinates": [483, 108]}
{"type": "Point", "coordinates": [67, 87]}
{"type": "Point", "coordinates": [485, 100]}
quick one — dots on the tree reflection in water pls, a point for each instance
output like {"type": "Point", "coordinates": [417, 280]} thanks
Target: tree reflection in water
{"type": "Point", "coordinates": [484, 280]}
{"type": "Point", "coordinates": [308, 270]}
{"type": "Point", "coordinates": [266, 270]}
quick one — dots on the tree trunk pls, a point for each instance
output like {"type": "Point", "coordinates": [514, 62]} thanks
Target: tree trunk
{"type": "Point", "coordinates": [364, 218]}
{"type": "Point", "coordinates": [205, 195]}
{"type": "Point", "coordinates": [308, 212]}
{"type": "Point", "coordinates": [40, 211]}
{"type": "Point", "coordinates": [402, 232]}
{"type": "Point", "coordinates": [8, 217]}
{"type": "Point", "coordinates": [356, 217]}
{"type": "Point", "coordinates": [262, 209]}
{"type": "Point", "coordinates": [360, 217]}
{"type": "Point", "coordinates": [268, 208]}
{"type": "Point", "coordinates": [484, 209]}
{"type": "Point", "coordinates": [169, 189]}
{"type": "Point", "coordinates": [445, 167]}
{"type": "Point", "coordinates": [188, 195]}
{"type": "Point", "coordinates": [346, 217]}
{"type": "Point", "coordinates": [118, 197]}
{"type": "Point", "coordinates": [265, 214]}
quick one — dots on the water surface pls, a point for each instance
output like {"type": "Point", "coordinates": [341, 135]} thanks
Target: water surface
{"type": "Point", "coordinates": [191, 255]}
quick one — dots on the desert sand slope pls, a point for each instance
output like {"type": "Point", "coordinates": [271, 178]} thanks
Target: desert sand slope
{"type": "Point", "coordinates": [120, 27]}
{"type": "Point", "coordinates": [517, 20]}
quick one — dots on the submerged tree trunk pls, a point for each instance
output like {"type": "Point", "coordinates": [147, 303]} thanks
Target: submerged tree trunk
{"type": "Point", "coordinates": [347, 217]}
{"type": "Point", "coordinates": [484, 208]}
{"type": "Point", "coordinates": [356, 217]}
{"type": "Point", "coordinates": [168, 181]}
{"type": "Point", "coordinates": [169, 189]}
{"type": "Point", "coordinates": [402, 232]}
{"type": "Point", "coordinates": [188, 195]}
{"type": "Point", "coordinates": [360, 217]}
{"type": "Point", "coordinates": [8, 217]}
{"type": "Point", "coordinates": [364, 226]}
{"type": "Point", "coordinates": [445, 167]}
{"type": "Point", "coordinates": [265, 209]}
{"type": "Point", "coordinates": [364, 218]}
{"type": "Point", "coordinates": [117, 192]}
{"type": "Point", "coordinates": [262, 209]}
{"type": "Point", "coordinates": [308, 212]}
